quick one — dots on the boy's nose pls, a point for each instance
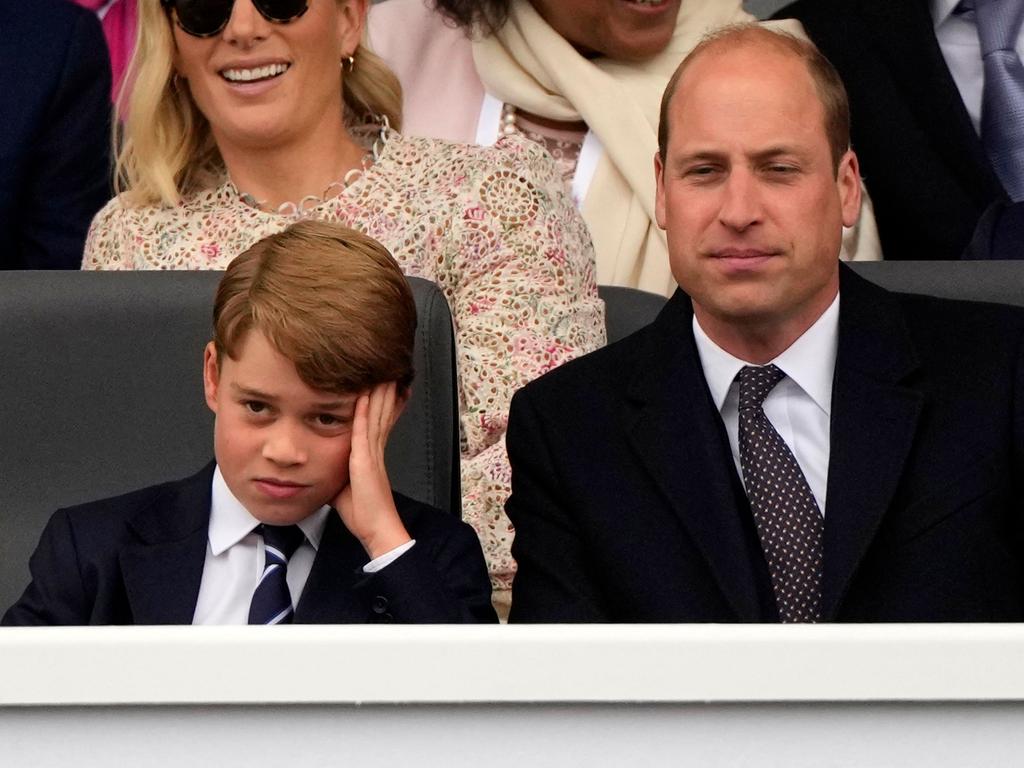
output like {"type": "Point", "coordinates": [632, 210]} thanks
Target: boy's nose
{"type": "Point", "coordinates": [283, 446]}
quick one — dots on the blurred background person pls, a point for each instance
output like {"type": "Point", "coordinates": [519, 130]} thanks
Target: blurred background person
{"type": "Point", "coordinates": [581, 77]}
{"type": "Point", "coordinates": [119, 28]}
{"type": "Point", "coordinates": [247, 116]}
{"type": "Point", "coordinates": [938, 125]}
{"type": "Point", "coordinates": [54, 132]}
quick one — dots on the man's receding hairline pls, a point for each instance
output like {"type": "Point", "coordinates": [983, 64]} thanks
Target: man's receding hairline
{"type": "Point", "coordinates": [790, 47]}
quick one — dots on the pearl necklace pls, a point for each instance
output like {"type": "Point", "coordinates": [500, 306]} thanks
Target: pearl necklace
{"type": "Point", "coordinates": [508, 120]}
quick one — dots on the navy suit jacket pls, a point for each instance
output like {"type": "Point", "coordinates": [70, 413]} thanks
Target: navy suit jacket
{"type": "Point", "coordinates": [138, 559]}
{"type": "Point", "coordinates": [628, 506]}
{"type": "Point", "coordinates": [921, 159]}
{"type": "Point", "coordinates": [54, 131]}
{"type": "Point", "coordinates": [1000, 233]}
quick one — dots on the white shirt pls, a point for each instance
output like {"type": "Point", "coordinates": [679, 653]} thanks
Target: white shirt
{"type": "Point", "coordinates": [235, 558]}
{"type": "Point", "coordinates": [958, 39]}
{"type": "Point", "coordinates": [799, 407]}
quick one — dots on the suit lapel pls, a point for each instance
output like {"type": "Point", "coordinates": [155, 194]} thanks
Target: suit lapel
{"type": "Point", "coordinates": [902, 30]}
{"type": "Point", "coordinates": [874, 419]}
{"type": "Point", "coordinates": [678, 435]}
{"type": "Point", "coordinates": [329, 596]}
{"type": "Point", "coordinates": [163, 565]}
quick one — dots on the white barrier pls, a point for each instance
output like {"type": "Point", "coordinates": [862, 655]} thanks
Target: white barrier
{"type": "Point", "coordinates": [502, 696]}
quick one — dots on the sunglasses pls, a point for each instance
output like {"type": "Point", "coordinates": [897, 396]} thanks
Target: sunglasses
{"type": "Point", "coordinates": [205, 18]}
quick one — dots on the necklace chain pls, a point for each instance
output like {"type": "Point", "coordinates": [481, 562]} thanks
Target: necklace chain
{"type": "Point", "coordinates": [377, 131]}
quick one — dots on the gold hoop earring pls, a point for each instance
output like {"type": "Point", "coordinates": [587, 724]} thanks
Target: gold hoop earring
{"type": "Point", "coordinates": [348, 64]}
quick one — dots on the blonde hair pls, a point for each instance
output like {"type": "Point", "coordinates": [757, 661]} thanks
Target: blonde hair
{"type": "Point", "coordinates": [165, 148]}
{"type": "Point", "coordinates": [328, 298]}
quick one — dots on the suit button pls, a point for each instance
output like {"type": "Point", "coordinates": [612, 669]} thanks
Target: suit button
{"type": "Point", "coordinates": [379, 605]}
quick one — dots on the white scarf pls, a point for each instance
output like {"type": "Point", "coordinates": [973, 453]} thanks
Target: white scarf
{"type": "Point", "coordinates": [530, 65]}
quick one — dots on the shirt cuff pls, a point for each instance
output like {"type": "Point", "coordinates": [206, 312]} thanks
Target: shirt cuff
{"type": "Point", "coordinates": [379, 563]}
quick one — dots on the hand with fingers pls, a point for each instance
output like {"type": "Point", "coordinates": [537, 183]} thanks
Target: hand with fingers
{"type": "Point", "coordinates": [366, 505]}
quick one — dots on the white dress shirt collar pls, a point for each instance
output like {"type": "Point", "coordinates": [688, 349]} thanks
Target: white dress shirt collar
{"type": "Point", "coordinates": [230, 522]}
{"type": "Point", "coordinates": [809, 361]}
{"type": "Point", "coordinates": [942, 10]}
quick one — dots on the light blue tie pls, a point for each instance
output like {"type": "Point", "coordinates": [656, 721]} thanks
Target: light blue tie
{"type": "Point", "coordinates": [1002, 106]}
{"type": "Point", "coordinates": [272, 602]}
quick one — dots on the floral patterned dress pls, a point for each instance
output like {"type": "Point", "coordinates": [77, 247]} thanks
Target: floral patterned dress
{"type": "Point", "coordinates": [494, 227]}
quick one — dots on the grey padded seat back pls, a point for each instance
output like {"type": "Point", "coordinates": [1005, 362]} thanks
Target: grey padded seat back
{"type": "Point", "coordinates": [101, 393]}
{"type": "Point", "coordinates": [627, 310]}
{"type": "Point", "coordinates": [1001, 282]}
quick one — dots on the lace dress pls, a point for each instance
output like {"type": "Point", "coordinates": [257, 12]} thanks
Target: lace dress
{"type": "Point", "coordinates": [494, 227]}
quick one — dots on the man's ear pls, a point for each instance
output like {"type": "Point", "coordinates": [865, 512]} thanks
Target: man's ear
{"type": "Point", "coordinates": [659, 190]}
{"type": "Point", "coordinates": [211, 376]}
{"type": "Point", "coordinates": [848, 182]}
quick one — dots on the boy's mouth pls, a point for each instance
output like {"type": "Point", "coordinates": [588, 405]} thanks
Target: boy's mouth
{"type": "Point", "coordinates": [278, 489]}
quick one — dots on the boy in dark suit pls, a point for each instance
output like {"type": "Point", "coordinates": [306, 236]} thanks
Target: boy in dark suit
{"type": "Point", "coordinates": [308, 370]}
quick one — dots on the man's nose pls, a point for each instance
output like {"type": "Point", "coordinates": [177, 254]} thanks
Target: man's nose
{"type": "Point", "coordinates": [741, 201]}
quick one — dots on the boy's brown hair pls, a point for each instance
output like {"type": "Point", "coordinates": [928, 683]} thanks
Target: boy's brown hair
{"type": "Point", "coordinates": [328, 298]}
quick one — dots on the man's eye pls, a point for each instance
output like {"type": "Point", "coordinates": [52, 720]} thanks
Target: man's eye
{"type": "Point", "coordinates": [255, 406]}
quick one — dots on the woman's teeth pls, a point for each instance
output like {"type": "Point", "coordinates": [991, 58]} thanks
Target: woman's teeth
{"type": "Point", "coordinates": [257, 73]}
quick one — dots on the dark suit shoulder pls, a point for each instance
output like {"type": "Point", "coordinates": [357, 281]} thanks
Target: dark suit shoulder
{"type": "Point", "coordinates": [607, 375]}
{"type": "Point", "coordinates": [807, 9]}
{"type": "Point", "coordinates": [166, 510]}
{"type": "Point", "coordinates": [940, 322]}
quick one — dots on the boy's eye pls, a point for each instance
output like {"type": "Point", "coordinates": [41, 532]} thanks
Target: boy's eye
{"type": "Point", "coordinates": [330, 420]}
{"type": "Point", "coordinates": [255, 406]}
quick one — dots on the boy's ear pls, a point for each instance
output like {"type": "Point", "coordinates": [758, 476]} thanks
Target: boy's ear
{"type": "Point", "coordinates": [401, 400]}
{"type": "Point", "coordinates": [211, 376]}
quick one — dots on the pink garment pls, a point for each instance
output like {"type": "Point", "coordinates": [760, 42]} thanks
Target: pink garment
{"type": "Point", "coordinates": [119, 25]}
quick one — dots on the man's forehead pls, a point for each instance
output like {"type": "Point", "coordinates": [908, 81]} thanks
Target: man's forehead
{"type": "Point", "coordinates": [754, 59]}
{"type": "Point", "coordinates": [753, 84]}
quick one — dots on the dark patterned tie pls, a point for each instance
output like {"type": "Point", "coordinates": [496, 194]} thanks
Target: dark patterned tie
{"type": "Point", "coordinates": [789, 523]}
{"type": "Point", "coordinates": [272, 602]}
{"type": "Point", "coordinates": [1002, 103]}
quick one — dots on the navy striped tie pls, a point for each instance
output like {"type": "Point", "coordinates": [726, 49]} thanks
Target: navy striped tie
{"type": "Point", "coordinates": [272, 602]}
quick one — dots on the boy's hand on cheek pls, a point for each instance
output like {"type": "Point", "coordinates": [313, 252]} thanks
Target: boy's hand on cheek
{"type": "Point", "coordinates": [366, 506]}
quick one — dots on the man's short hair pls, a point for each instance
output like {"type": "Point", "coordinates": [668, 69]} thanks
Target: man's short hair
{"type": "Point", "coordinates": [830, 88]}
{"type": "Point", "coordinates": [328, 298]}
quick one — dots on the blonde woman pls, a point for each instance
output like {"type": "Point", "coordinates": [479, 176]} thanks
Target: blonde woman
{"type": "Point", "coordinates": [245, 116]}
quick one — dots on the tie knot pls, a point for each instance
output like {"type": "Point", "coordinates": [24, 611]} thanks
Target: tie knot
{"type": "Point", "coordinates": [281, 541]}
{"type": "Point", "coordinates": [998, 23]}
{"type": "Point", "coordinates": [756, 381]}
